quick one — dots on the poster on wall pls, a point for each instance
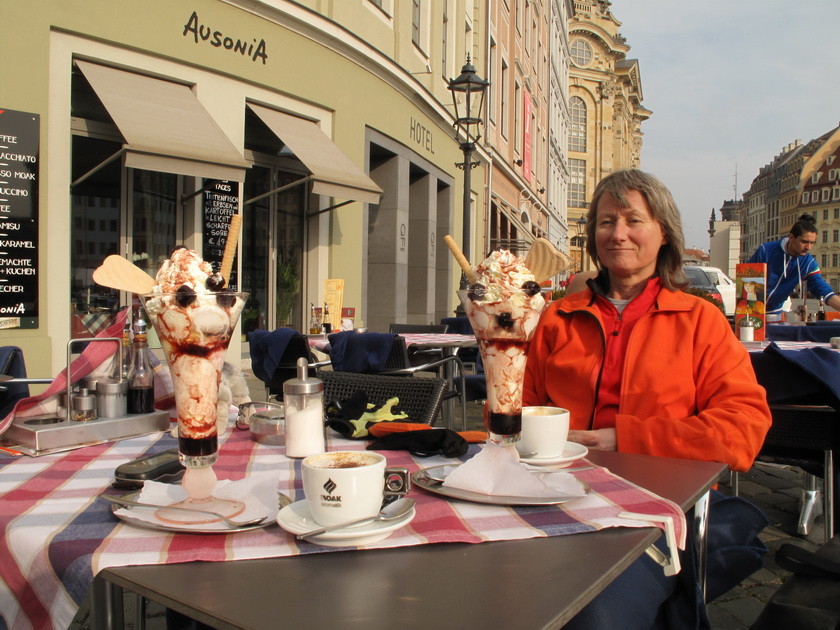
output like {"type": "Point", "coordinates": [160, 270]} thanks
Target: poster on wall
{"type": "Point", "coordinates": [221, 202]}
{"type": "Point", "coordinates": [19, 152]}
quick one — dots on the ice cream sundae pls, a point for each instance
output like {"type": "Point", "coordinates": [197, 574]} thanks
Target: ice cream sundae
{"type": "Point", "coordinates": [194, 316]}
{"type": "Point", "coordinates": [503, 304]}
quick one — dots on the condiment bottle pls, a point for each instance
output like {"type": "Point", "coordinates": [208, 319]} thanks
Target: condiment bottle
{"type": "Point", "coordinates": [141, 381]}
{"type": "Point", "coordinates": [821, 310]}
{"type": "Point", "coordinates": [84, 406]}
{"type": "Point", "coordinates": [314, 325]}
{"type": "Point", "coordinates": [303, 397]}
{"type": "Point", "coordinates": [112, 399]}
{"type": "Point", "coordinates": [327, 326]}
{"type": "Point", "coordinates": [123, 368]}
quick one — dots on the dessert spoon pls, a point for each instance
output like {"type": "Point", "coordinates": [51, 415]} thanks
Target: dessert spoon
{"type": "Point", "coordinates": [126, 503]}
{"type": "Point", "coordinates": [390, 512]}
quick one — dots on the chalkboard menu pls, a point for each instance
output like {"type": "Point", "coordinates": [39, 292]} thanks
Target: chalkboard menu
{"type": "Point", "coordinates": [19, 146]}
{"type": "Point", "coordinates": [221, 202]}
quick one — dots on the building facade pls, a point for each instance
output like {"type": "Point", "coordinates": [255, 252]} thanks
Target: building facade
{"type": "Point", "coordinates": [605, 109]}
{"type": "Point", "coordinates": [327, 126]}
{"type": "Point", "coordinates": [820, 197]}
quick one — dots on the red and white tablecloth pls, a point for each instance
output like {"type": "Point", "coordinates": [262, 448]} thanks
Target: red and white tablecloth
{"type": "Point", "coordinates": [57, 534]}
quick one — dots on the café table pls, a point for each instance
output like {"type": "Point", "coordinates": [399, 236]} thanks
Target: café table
{"type": "Point", "coordinates": [821, 332]}
{"type": "Point", "coordinates": [58, 535]}
{"type": "Point", "coordinates": [533, 583]}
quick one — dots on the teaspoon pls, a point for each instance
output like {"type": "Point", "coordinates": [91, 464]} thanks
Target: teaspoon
{"type": "Point", "coordinates": [390, 512]}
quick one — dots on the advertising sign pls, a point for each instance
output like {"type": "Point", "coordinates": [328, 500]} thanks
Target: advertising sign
{"type": "Point", "coordinates": [19, 152]}
{"type": "Point", "coordinates": [221, 202]}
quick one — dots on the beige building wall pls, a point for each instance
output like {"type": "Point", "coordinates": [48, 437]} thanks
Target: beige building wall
{"type": "Point", "coordinates": [351, 67]}
{"type": "Point", "coordinates": [605, 106]}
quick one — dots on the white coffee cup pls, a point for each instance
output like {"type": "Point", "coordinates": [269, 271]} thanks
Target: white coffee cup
{"type": "Point", "coordinates": [342, 486]}
{"type": "Point", "coordinates": [544, 432]}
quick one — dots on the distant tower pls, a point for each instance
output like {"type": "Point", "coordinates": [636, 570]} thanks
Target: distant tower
{"type": "Point", "coordinates": [712, 224]}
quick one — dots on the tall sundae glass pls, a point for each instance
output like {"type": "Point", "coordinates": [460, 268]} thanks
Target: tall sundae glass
{"type": "Point", "coordinates": [194, 317]}
{"type": "Point", "coordinates": [503, 305]}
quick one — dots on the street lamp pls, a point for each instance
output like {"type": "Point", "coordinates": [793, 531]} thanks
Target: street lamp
{"type": "Point", "coordinates": [580, 225]}
{"type": "Point", "coordinates": [467, 120]}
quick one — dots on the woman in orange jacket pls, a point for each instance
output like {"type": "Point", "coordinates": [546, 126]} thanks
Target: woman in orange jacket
{"type": "Point", "coordinates": [646, 368]}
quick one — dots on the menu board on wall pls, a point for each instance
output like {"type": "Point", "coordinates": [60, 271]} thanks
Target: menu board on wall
{"type": "Point", "coordinates": [19, 146]}
{"type": "Point", "coordinates": [221, 202]}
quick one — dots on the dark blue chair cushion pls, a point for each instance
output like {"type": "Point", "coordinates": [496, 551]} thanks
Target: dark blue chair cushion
{"type": "Point", "coordinates": [360, 352]}
{"type": "Point", "coordinates": [267, 350]}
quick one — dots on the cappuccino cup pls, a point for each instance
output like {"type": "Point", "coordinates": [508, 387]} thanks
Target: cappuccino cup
{"type": "Point", "coordinates": [544, 432]}
{"type": "Point", "coordinates": [343, 486]}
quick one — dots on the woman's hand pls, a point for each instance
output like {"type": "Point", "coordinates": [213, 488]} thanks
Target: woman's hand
{"type": "Point", "coordinates": [600, 439]}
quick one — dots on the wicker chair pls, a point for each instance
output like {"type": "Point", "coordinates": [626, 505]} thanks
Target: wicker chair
{"type": "Point", "coordinates": [806, 436]}
{"type": "Point", "coordinates": [420, 398]}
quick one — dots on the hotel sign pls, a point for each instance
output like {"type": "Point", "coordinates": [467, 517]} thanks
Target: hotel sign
{"type": "Point", "coordinates": [19, 154]}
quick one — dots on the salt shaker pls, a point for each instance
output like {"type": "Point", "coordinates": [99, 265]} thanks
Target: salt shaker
{"type": "Point", "coordinates": [303, 397]}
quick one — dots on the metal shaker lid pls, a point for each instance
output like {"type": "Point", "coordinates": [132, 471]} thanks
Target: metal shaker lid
{"type": "Point", "coordinates": [303, 383]}
{"type": "Point", "coordinates": [111, 387]}
{"type": "Point", "coordinates": [83, 401]}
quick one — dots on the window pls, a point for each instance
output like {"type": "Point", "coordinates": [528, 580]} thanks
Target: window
{"type": "Point", "coordinates": [836, 235]}
{"type": "Point", "coordinates": [805, 196]}
{"type": "Point", "coordinates": [832, 174]}
{"type": "Point", "coordinates": [825, 212]}
{"type": "Point", "coordinates": [829, 160]}
{"type": "Point", "coordinates": [577, 183]}
{"type": "Point", "coordinates": [824, 260]}
{"type": "Point", "coordinates": [834, 260]}
{"type": "Point", "coordinates": [503, 114]}
{"type": "Point", "coordinates": [491, 77]}
{"type": "Point", "coordinates": [837, 211]}
{"type": "Point", "coordinates": [836, 194]}
{"type": "Point", "coordinates": [415, 22]}
{"type": "Point", "coordinates": [826, 195]}
{"type": "Point", "coordinates": [444, 54]}
{"type": "Point", "coordinates": [517, 117]}
{"type": "Point", "coordinates": [815, 177]}
{"type": "Point", "coordinates": [577, 125]}
{"type": "Point", "coordinates": [825, 236]}
{"type": "Point", "coordinates": [581, 52]}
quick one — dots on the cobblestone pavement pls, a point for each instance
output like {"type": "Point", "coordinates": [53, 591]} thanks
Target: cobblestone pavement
{"type": "Point", "coordinates": [775, 489]}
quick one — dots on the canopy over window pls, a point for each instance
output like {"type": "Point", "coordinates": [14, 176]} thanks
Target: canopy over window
{"type": "Point", "coordinates": [333, 173]}
{"type": "Point", "coordinates": [165, 127]}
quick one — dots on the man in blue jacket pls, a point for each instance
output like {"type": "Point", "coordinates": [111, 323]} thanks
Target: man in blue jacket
{"type": "Point", "coordinates": [789, 263]}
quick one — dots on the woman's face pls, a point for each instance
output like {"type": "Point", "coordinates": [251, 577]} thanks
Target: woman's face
{"type": "Point", "coordinates": [627, 238]}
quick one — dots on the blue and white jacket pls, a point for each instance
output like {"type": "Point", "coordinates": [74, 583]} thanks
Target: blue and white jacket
{"type": "Point", "coordinates": [785, 272]}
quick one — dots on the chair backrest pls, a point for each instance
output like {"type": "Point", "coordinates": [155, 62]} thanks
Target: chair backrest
{"type": "Point", "coordinates": [367, 352]}
{"type": "Point", "coordinates": [420, 398]}
{"type": "Point", "coordinates": [457, 325]}
{"type": "Point", "coordinates": [12, 364]}
{"type": "Point", "coordinates": [418, 328]}
{"type": "Point", "coordinates": [284, 367]}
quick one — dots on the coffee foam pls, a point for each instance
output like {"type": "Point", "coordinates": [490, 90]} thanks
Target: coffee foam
{"type": "Point", "coordinates": [543, 411]}
{"type": "Point", "coordinates": [341, 459]}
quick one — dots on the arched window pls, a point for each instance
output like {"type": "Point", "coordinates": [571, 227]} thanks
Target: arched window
{"type": "Point", "coordinates": [577, 127]}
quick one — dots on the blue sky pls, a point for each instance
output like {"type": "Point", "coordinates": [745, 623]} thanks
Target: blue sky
{"type": "Point", "coordinates": [730, 82]}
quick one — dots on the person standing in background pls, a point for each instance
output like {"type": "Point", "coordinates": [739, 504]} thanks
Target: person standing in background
{"type": "Point", "coordinates": [789, 264]}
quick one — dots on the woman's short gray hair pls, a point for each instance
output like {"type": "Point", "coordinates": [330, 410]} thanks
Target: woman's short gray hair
{"type": "Point", "coordinates": [669, 263]}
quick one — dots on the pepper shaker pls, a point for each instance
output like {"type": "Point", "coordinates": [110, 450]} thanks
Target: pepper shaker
{"type": "Point", "coordinates": [303, 397]}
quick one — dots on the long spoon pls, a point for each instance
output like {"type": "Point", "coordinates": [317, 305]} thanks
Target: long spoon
{"type": "Point", "coordinates": [230, 522]}
{"type": "Point", "coordinates": [390, 512]}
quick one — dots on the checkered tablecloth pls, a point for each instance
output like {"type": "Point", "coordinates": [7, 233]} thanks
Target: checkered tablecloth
{"type": "Point", "coordinates": [57, 534]}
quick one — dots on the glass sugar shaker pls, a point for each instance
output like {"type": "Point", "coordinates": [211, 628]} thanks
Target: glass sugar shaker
{"type": "Point", "coordinates": [303, 398]}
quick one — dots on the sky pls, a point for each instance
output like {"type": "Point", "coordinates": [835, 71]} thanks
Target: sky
{"type": "Point", "coordinates": [730, 83]}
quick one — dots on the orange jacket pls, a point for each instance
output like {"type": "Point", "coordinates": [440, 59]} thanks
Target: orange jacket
{"type": "Point", "coordinates": [688, 388]}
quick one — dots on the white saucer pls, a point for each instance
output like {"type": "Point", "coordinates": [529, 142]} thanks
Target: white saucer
{"type": "Point", "coordinates": [295, 518]}
{"type": "Point", "coordinates": [571, 452]}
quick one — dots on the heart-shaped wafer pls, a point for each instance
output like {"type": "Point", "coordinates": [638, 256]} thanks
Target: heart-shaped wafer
{"type": "Point", "coordinates": [118, 273]}
{"type": "Point", "coordinates": [544, 260]}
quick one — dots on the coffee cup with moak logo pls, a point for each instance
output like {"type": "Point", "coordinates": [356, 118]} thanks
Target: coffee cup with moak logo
{"type": "Point", "coordinates": [544, 432]}
{"type": "Point", "coordinates": [343, 486]}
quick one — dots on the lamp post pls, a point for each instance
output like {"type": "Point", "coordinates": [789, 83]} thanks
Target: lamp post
{"type": "Point", "coordinates": [580, 225]}
{"type": "Point", "coordinates": [467, 120]}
